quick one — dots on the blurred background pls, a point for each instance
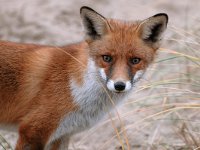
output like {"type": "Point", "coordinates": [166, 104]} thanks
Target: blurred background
{"type": "Point", "coordinates": [163, 113]}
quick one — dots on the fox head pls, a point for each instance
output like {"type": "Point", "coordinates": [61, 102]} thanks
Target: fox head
{"type": "Point", "coordinates": [122, 50]}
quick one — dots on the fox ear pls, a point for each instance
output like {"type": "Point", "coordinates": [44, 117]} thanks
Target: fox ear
{"type": "Point", "coordinates": [95, 24]}
{"type": "Point", "coordinates": [151, 29]}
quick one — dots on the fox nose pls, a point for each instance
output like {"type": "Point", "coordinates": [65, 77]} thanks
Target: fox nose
{"type": "Point", "coordinates": [119, 86]}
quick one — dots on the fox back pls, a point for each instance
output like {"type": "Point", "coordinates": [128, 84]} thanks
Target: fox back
{"type": "Point", "coordinates": [50, 93]}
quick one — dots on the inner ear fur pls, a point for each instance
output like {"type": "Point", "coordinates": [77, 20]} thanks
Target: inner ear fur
{"type": "Point", "coordinates": [151, 30]}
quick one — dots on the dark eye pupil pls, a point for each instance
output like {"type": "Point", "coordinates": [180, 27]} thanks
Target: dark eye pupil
{"type": "Point", "coordinates": [135, 60]}
{"type": "Point", "coordinates": [107, 58]}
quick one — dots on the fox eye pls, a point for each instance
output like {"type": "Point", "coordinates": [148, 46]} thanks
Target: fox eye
{"type": "Point", "coordinates": [135, 61]}
{"type": "Point", "coordinates": [107, 58]}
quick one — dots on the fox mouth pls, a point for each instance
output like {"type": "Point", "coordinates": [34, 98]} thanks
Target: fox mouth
{"type": "Point", "coordinates": [119, 92]}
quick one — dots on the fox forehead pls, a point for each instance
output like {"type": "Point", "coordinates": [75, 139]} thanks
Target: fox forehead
{"type": "Point", "coordinates": [123, 30]}
{"type": "Point", "coordinates": [122, 42]}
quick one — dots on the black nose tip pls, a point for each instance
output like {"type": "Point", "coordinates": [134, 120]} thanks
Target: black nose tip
{"type": "Point", "coordinates": [119, 86]}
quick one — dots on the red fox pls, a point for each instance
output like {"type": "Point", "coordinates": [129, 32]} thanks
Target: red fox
{"type": "Point", "coordinates": [51, 93]}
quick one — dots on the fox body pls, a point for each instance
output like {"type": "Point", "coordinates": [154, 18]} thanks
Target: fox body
{"type": "Point", "coordinates": [50, 93]}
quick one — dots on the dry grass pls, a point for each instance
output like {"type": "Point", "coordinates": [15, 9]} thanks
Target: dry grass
{"type": "Point", "coordinates": [163, 112]}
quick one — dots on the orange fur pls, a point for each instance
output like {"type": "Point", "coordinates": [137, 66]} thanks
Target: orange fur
{"type": "Point", "coordinates": [33, 87]}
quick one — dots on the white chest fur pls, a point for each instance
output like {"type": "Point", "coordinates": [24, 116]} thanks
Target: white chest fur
{"type": "Point", "coordinates": [93, 101]}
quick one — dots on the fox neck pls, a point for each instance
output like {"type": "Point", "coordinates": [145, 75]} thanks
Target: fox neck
{"type": "Point", "coordinates": [93, 99]}
{"type": "Point", "coordinates": [93, 90]}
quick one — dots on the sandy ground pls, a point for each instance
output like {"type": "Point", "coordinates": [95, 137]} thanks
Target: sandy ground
{"type": "Point", "coordinates": [57, 23]}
